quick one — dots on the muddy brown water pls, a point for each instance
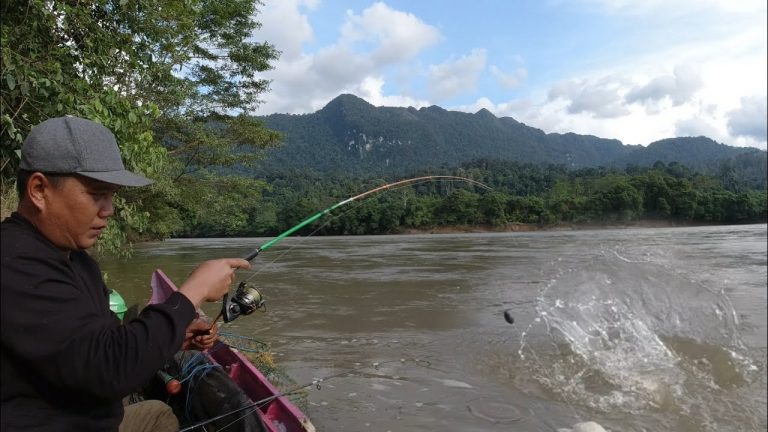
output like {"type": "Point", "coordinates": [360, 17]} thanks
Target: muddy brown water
{"type": "Point", "coordinates": [657, 329]}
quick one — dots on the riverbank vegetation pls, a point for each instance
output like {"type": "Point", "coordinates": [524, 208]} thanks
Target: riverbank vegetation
{"type": "Point", "coordinates": [522, 194]}
{"type": "Point", "coordinates": [175, 83]}
{"type": "Point", "coordinates": [173, 80]}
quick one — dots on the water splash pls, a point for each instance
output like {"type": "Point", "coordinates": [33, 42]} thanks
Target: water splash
{"type": "Point", "coordinates": [636, 336]}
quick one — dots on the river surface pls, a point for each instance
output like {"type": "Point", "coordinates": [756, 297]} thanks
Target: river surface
{"type": "Point", "coordinates": [636, 329]}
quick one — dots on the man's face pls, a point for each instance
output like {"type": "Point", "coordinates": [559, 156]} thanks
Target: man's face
{"type": "Point", "coordinates": [77, 211]}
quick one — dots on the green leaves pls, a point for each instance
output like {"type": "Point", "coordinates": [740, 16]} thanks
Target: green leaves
{"type": "Point", "coordinates": [11, 81]}
{"type": "Point", "coordinates": [118, 62]}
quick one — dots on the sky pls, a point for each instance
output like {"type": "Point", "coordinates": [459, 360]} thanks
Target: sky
{"type": "Point", "coordinates": [637, 71]}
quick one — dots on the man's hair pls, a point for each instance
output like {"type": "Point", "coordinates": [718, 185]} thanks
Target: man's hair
{"type": "Point", "coordinates": [22, 178]}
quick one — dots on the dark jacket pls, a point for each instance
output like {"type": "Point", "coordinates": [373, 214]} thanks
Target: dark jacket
{"type": "Point", "coordinates": [66, 360]}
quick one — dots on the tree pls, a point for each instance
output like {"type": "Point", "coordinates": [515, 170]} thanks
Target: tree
{"type": "Point", "coordinates": [492, 207]}
{"type": "Point", "coordinates": [172, 79]}
{"type": "Point", "coordinates": [418, 210]}
{"type": "Point", "coordinates": [615, 198]}
{"type": "Point", "coordinates": [459, 207]}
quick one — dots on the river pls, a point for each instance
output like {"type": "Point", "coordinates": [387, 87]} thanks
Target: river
{"type": "Point", "coordinates": [636, 329]}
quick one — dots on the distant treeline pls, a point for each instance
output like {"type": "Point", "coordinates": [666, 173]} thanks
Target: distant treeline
{"type": "Point", "coordinates": [521, 193]}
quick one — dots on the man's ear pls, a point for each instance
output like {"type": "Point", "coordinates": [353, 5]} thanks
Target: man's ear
{"type": "Point", "coordinates": [37, 186]}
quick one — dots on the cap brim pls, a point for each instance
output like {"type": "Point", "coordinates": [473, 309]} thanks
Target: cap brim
{"type": "Point", "coordinates": [121, 178]}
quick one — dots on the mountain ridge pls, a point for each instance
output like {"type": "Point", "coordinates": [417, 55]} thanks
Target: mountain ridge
{"type": "Point", "coordinates": [350, 135]}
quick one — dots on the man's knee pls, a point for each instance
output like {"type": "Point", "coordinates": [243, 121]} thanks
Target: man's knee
{"type": "Point", "coordinates": [149, 415]}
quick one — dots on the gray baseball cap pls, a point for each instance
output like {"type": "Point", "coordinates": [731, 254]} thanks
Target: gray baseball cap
{"type": "Point", "coordinates": [72, 145]}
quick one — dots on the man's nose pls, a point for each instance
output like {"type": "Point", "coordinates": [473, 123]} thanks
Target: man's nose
{"type": "Point", "coordinates": [107, 208]}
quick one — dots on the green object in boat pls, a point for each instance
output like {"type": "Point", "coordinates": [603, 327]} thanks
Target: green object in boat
{"type": "Point", "coordinates": [117, 304]}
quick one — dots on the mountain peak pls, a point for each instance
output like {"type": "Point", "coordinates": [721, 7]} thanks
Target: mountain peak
{"type": "Point", "coordinates": [483, 112]}
{"type": "Point", "coordinates": [348, 97]}
{"type": "Point", "coordinates": [347, 100]}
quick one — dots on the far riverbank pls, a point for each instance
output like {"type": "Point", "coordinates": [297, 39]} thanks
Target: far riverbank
{"type": "Point", "coordinates": [528, 227]}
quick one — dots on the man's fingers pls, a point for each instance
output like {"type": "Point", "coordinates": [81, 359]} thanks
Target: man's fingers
{"type": "Point", "coordinates": [238, 263]}
{"type": "Point", "coordinates": [202, 332]}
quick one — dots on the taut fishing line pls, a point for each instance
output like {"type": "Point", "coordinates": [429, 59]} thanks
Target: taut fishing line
{"type": "Point", "coordinates": [247, 298]}
{"type": "Point", "coordinates": [356, 205]}
{"type": "Point", "coordinates": [253, 254]}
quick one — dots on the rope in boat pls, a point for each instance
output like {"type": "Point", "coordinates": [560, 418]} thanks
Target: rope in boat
{"type": "Point", "coordinates": [193, 370]}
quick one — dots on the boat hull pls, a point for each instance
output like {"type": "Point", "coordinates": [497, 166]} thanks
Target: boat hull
{"type": "Point", "coordinates": [279, 413]}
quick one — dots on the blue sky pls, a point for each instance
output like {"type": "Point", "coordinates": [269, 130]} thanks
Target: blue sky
{"type": "Point", "coordinates": [637, 71]}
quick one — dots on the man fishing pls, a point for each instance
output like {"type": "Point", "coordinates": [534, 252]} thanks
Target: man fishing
{"type": "Point", "coordinates": [66, 360]}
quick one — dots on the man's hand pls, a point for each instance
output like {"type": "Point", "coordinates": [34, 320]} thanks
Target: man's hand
{"type": "Point", "coordinates": [211, 280]}
{"type": "Point", "coordinates": [197, 335]}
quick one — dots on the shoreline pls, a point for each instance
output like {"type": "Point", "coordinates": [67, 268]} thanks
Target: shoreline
{"type": "Point", "coordinates": [529, 227]}
{"type": "Point", "coordinates": [510, 227]}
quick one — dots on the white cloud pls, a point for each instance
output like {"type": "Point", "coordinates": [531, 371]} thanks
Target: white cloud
{"type": "Point", "coordinates": [398, 36]}
{"type": "Point", "coordinates": [279, 16]}
{"type": "Point", "coordinates": [338, 65]}
{"type": "Point", "coordinates": [719, 58]}
{"type": "Point", "coordinates": [378, 38]}
{"type": "Point", "coordinates": [679, 88]}
{"type": "Point", "coordinates": [456, 76]}
{"type": "Point", "coordinates": [750, 120]}
{"type": "Point", "coordinates": [509, 80]}
{"type": "Point", "coordinates": [698, 126]}
{"type": "Point", "coordinates": [601, 99]}
{"type": "Point", "coordinates": [371, 90]}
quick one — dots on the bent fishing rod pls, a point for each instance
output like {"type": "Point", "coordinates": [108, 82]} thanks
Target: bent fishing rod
{"type": "Point", "coordinates": [253, 254]}
{"type": "Point", "coordinates": [247, 298]}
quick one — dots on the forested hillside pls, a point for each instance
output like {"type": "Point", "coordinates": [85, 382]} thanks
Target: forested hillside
{"type": "Point", "coordinates": [351, 136]}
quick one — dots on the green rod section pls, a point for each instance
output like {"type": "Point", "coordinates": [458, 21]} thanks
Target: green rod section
{"type": "Point", "coordinates": [292, 230]}
{"type": "Point", "coordinates": [322, 213]}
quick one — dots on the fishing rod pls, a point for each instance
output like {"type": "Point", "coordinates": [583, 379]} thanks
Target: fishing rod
{"type": "Point", "coordinates": [253, 254]}
{"type": "Point", "coordinates": [248, 299]}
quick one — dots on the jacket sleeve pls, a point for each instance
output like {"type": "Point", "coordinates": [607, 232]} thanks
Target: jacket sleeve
{"type": "Point", "coordinates": [70, 342]}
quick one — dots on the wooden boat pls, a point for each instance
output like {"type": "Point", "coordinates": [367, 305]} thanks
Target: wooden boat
{"type": "Point", "coordinates": [278, 413]}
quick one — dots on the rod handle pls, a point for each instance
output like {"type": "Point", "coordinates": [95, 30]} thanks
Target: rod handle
{"type": "Point", "coordinates": [251, 255]}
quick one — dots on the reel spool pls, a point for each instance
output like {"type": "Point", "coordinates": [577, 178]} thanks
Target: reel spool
{"type": "Point", "coordinates": [245, 301]}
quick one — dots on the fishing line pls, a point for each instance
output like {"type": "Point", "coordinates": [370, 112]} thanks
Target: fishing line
{"type": "Point", "coordinates": [315, 382]}
{"type": "Point", "coordinates": [357, 203]}
{"type": "Point", "coordinates": [223, 428]}
{"type": "Point", "coordinates": [251, 298]}
{"type": "Point", "coordinates": [301, 240]}
{"type": "Point", "coordinates": [253, 254]}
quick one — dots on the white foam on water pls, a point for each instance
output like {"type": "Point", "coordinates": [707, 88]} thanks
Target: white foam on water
{"type": "Point", "coordinates": [634, 336]}
{"type": "Point", "coordinates": [454, 383]}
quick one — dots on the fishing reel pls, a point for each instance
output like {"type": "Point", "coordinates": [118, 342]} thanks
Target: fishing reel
{"type": "Point", "coordinates": [245, 301]}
